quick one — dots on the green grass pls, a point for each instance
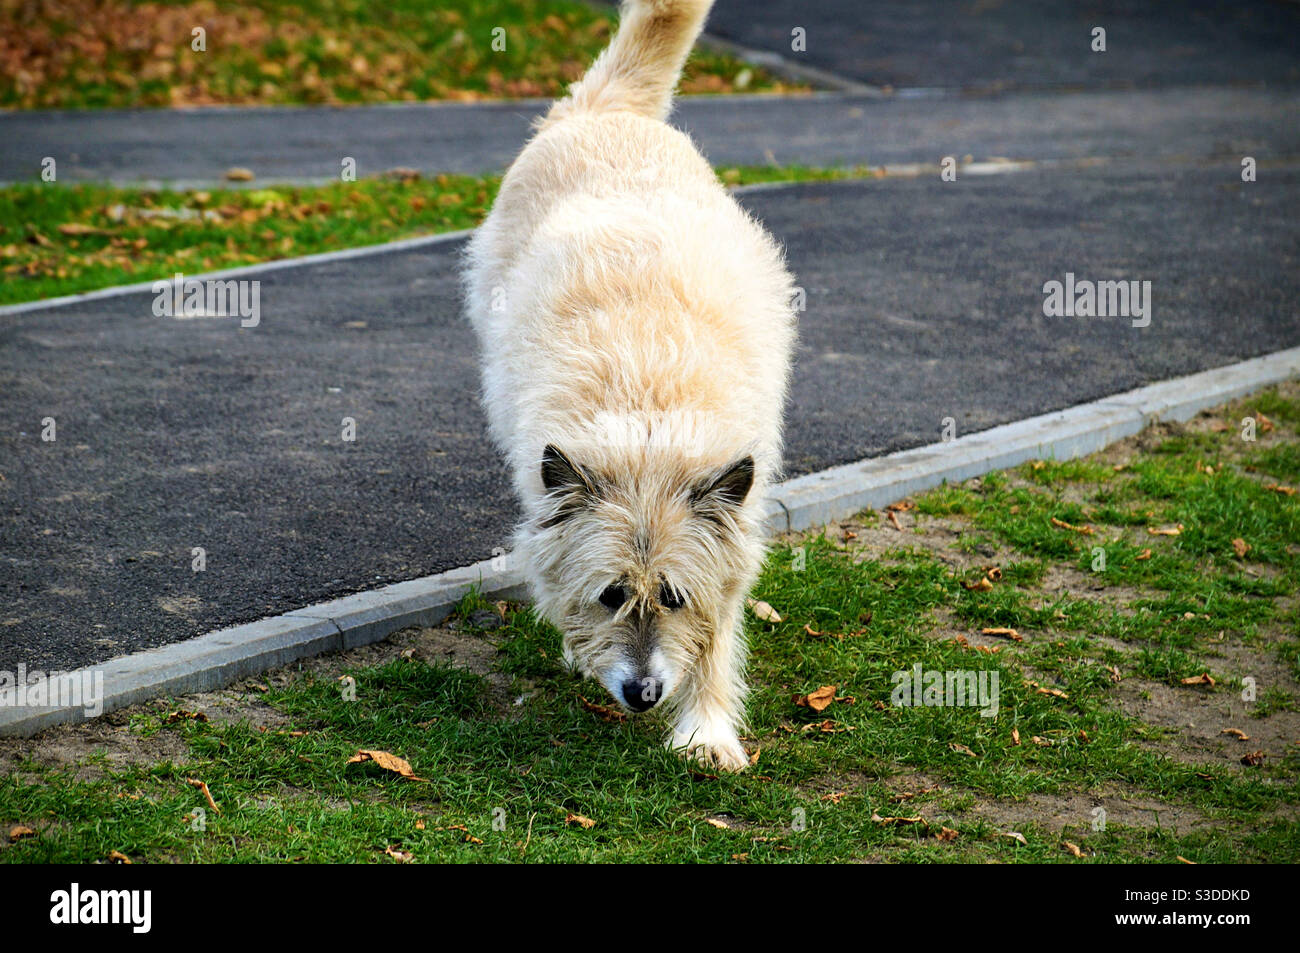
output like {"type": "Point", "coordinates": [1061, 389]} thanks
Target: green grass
{"type": "Point", "coordinates": [508, 759]}
{"type": "Point", "coordinates": [124, 53]}
{"type": "Point", "coordinates": [65, 239]}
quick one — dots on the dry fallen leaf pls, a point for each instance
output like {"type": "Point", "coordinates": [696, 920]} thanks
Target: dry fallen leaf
{"type": "Point", "coordinates": [718, 823]}
{"type": "Point", "coordinates": [1186, 861]}
{"type": "Point", "coordinates": [893, 518]}
{"type": "Point", "coordinates": [1284, 490]}
{"type": "Point", "coordinates": [1265, 425]}
{"type": "Point", "coordinates": [947, 833]}
{"type": "Point", "coordinates": [399, 855]}
{"type": "Point", "coordinates": [206, 793]}
{"type": "Point", "coordinates": [1015, 835]}
{"type": "Point", "coordinates": [182, 715]}
{"type": "Point", "coordinates": [389, 762]}
{"type": "Point", "coordinates": [1145, 554]}
{"type": "Point", "coordinates": [1166, 530]}
{"type": "Point", "coordinates": [898, 820]}
{"type": "Point", "coordinates": [1072, 848]}
{"type": "Point", "coordinates": [764, 611]}
{"type": "Point", "coordinates": [834, 797]}
{"type": "Point", "coordinates": [1254, 759]}
{"type": "Point", "coordinates": [117, 857]}
{"type": "Point", "coordinates": [604, 711]}
{"type": "Point", "coordinates": [76, 228]}
{"type": "Point", "coordinates": [18, 831]}
{"type": "Point", "coordinates": [1011, 634]}
{"type": "Point", "coordinates": [962, 749]}
{"type": "Point", "coordinates": [818, 701]}
{"type": "Point", "coordinates": [828, 727]}
{"type": "Point", "coordinates": [1205, 678]}
{"type": "Point", "coordinates": [983, 584]}
{"type": "Point", "coordinates": [1236, 733]}
{"type": "Point", "coordinates": [585, 822]}
{"type": "Point", "coordinates": [238, 174]}
{"type": "Point", "coordinates": [1085, 530]}
{"type": "Point", "coordinates": [1054, 692]}
{"type": "Point", "coordinates": [902, 506]}
{"type": "Point", "coordinates": [1041, 741]}
{"type": "Point", "coordinates": [1240, 547]}
{"type": "Point", "coordinates": [1115, 676]}
{"type": "Point", "coordinates": [1015, 736]}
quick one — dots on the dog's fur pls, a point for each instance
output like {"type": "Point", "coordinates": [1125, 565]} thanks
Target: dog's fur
{"type": "Point", "coordinates": [636, 331]}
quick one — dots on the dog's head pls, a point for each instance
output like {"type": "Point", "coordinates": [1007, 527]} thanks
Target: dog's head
{"type": "Point", "coordinates": [643, 559]}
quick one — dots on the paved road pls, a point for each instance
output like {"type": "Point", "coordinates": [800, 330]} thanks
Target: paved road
{"type": "Point", "coordinates": [994, 45]}
{"type": "Point", "coordinates": [924, 300]}
{"type": "Point", "coordinates": [195, 147]}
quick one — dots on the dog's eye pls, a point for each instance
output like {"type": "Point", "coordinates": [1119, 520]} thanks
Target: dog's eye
{"type": "Point", "coordinates": [613, 597]}
{"type": "Point", "coordinates": [670, 598]}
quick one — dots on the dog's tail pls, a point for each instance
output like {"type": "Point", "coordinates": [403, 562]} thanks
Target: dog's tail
{"type": "Point", "coordinates": [639, 69]}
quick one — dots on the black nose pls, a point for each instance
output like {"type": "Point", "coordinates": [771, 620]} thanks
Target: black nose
{"type": "Point", "coordinates": [641, 694]}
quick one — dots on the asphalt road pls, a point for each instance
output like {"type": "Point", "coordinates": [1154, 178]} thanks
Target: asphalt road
{"type": "Point", "coordinates": [195, 147]}
{"type": "Point", "coordinates": [992, 45]}
{"type": "Point", "coordinates": [924, 301]}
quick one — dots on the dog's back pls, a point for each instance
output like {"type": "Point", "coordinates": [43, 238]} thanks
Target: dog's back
{"type": "Point", "coordinates": [613, 246]}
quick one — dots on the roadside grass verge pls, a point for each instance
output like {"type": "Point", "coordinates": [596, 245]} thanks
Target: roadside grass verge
{"type": "Point", "coordinates": [78, 54]}
{"type": "Point", "coordinates": [1146, 707]}
{"type": "Point", "coordinates": [59, 240]}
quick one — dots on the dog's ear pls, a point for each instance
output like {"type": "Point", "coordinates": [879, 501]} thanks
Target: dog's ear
{"type": "Point", "coordinates": [726, 491]}
{"type": "Point", "coordinates": [567, 482]}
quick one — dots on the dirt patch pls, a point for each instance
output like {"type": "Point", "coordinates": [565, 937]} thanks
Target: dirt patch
{"type": "Point", "coordinates": [1082, 814]}
{"type": "Point", "coordinates": [1195, 721]}
{"type": "Point", "coordinates": [78, 748]}
{"type": "Point", "coordinates": [459, 644]}
{"type": "Point", "coordinates": [109, 743]}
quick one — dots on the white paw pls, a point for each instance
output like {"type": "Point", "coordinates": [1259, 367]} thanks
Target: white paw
{"type": "Point", "coordinates": [715, 749]}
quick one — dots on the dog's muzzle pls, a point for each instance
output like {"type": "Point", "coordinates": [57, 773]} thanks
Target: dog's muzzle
{"type": "Point", "coordinates": [642, 694]}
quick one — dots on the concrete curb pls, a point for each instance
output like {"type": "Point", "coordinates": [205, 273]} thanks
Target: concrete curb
{"type": "Point", "coordinates": [819, 498]}
{"type": "Point", "coordinates": [219, 658]}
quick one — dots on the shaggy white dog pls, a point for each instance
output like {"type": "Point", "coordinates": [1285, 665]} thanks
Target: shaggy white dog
{"type": "Point", "coordinates": [636, 333]}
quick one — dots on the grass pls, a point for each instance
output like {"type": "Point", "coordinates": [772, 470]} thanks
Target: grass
{"type": "Point", "coordinates": [58, 240]}
{"type": "Point", "coordinates": [79, 54]}
{"type": "Point", "coordinates": [522, 764]}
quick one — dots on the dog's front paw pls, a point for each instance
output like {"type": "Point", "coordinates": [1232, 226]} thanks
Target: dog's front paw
{"type": "Point", "coordinates": [723, 750]}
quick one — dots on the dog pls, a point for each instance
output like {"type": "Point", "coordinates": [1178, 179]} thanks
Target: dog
{"type": "Point", "coordinates": [636, 329]}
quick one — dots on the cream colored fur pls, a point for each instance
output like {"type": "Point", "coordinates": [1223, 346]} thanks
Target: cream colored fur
{"type": "Point", "coordinates": [634, 317]}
